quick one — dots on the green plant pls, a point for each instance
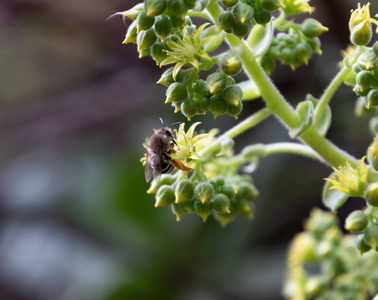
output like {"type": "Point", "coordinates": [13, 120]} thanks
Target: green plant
{"type": "Point", "coordinates": [165, 30]}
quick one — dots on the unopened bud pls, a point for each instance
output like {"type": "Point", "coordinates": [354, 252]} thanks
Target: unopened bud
{"type": "Point", "coordinates": [372, 154]}
{"type": "Point", "coordinates": [167, 77]}
{"type": "Point", "coordinates": [356, 221]}
{"type": "Point", "coordinates": [272, 4]}
{"type": "Point", "coordinates": [131, 34]}
{"type": "Point", "coordinates": [244, 208]}
{"type": "Point", "coordinates": [243, 12]}
{"type": "Point", "coordinates": [184, 191]}
{"type": "Point", "coordinates": [164, 196]}
{"type": "Point", "coordinates": [234, 111]}
{"type": "Point", "coordinates": [218, 106]}
{"type": "Point", "coordinates": [216, 82]}
{"type": "Point", "coordinates": [361, 34]}
{"type": "Point", "coordinates": [203, 209]}
{"type": "Point", "coordinates": [134, 12]}
{"type": "Point", "coordinates": [155, 7]}
{"type": "Point", "coordinates": [146, 39]}
{"type": "Point", "coordinates": [262, 16]}
{"type": "Point", "coordinates": [221, 203]}
{"type": "Point", "coordinates": [157, 52]}
{"type": "Point", "coordinates": [229, 3]}
{"type": "Point", "coordinates": [312, 28]}
{"type": "Point", "coordinates": [144, 22]}
{"type": "Point", "coordinates": [232, 94]}
{"type": "Point", "coordinates": [176, 92]}
{"type": "Point", "coordinates": [226, 20]}
{"type": "Point", "coordinates": [241, 29]}
{"type": "Point", "coordinates": [177, 211]}
{"type": "Point", "coordinates": [189, 108]}
{"type": "Point", "coordinates": [371, 235]}
{"type": "Point", "coordinates": [231, 64]}
{"type": "Point", "coordinates": [163, 27]}
{"type": "Point", "coordinates": [248, 191]}
{"type": "Point", "coordinates": [372, 194]}
{"type": "Point", "coordinates": [178, 8]}
{"type": "Point", "coordinates": [362, 244]}
{"type": "Point", "coordinates": [204, 192]}
{"type": "Point", "coordinates": [371, 98]}
{"type": "Point", "coordinates": [304, 51]}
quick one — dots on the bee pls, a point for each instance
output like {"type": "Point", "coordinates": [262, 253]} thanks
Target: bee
{"type": "Point", "coordinates": [160, 146]}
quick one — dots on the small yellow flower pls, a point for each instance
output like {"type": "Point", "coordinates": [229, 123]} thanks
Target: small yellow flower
{"type": "Point", "coordinates": [293, 7]}
{"type": "Point", "coordinates": [360, 15]}
{"type": "Point", "coordinates": [188, 49]}
{"type": "Point", "coordinates": [190, 143]}
{"type": "Point", "coordinates": [350, 180]}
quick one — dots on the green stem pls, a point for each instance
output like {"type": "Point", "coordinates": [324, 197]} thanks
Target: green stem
{"type": "Point", "coordinates": [238, 129]}
{"type": "Point", "coordinates": [328, 93]}
{"type": "Point", "coordinates": [293, 148]}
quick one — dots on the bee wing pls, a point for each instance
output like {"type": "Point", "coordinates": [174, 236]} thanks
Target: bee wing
{"type": "Point", "coordinates": [148, 169]}
{"type": "Point", "coordinates": [156, 162]}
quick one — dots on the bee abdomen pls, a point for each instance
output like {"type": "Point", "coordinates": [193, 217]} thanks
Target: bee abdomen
{"type": "Point", "coordinates": [166, 166]}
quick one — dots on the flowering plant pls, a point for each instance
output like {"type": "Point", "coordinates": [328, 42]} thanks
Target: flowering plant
{"type": "Point", "coordinates": [261, 33]}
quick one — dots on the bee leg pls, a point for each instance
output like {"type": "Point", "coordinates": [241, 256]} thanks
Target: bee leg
{"type": "Point", "coordinates": [180, 165]}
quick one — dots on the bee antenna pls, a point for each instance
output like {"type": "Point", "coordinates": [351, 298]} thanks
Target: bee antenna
{"type": "Point", "coordinates": [161, 120]}
{"type": "Point", "coordinates": [174, 124]}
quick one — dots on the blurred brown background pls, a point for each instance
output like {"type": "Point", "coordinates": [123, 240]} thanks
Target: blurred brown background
{"type": "Point", "coordinates": [75, 220]}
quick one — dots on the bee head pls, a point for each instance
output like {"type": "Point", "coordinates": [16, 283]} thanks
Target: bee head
{"type": "Point", "coordinates": [166, 131]}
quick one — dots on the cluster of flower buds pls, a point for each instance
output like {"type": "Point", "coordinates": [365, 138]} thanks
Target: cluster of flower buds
{"type": "Point", "coordinates": [342, 272]}
{"type": "Point", "coordinates": [295, 47]}
{"type": "Point", "coordinates": [238, 16]}
{"type": "Point", "coordinates": [225, 198]}
{"type": "Point", "coordinates": [155, 20]}
{"type": "Point", "coordinates": [218, 93]}
{"type": "Point", "coordinates": [365, 70]}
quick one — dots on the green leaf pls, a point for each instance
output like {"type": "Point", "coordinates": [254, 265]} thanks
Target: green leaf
{"type": "Point", "coordinates": [211, 38]}
{"type": "Point", "coordinates": [260, 38]}
{"type": "Point", "coordinates": [324, 121]}
{"type": "Point", "coordinates": [305, 111]}
{"type": "Point", "coordinates": [333, 198]}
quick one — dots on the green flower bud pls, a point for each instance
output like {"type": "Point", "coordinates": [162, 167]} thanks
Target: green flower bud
{"type": "Point", "coordinates": [232, 94]}
{"type": "Point", "coordinates": [216, 82]}
{"type": "Point", "coordinates": [221, 203]}
{"type": "Point", "coordinates": [356, 221]}
{"type": "Point", "coordinates": [227, 190]}
{"type": "Point", "coordinates": [231, 64]}
{"type": "Point", "coordinates": [312, 28]}
{"type": "Point", "coordinates": [315, 45]}
{"type": "Point", "coordinates": [163, 27]}
{"type": "Point", "coordinates": [165, 179]}
{"type": "Point", "coordinates": [178, 8]}
{"type": "Point", "coordinates": [365, 79]}
{"type": "Point", "coordinates": [189, 108]}
{"type": "Point", "coordinates": [372, 194]}
{"type": "Point", "coordinates": [371, 235]}
{"type": "Point", "coordinates": [226, 20]}
{"type": "Point", "coordinates": [146, 39]}
{"type": "Point", "coordinates": [375, 48]}
{"type": "Point", "coordinates": [262, 16]}
{"type": "Point", "coordinates": [176, 21]}
{"type": "Point", "coordinates": [144, 22]}
{"type": "Point", "coordinates": [204, 192]}
{"type": "Point", "coordinates": [199, 88]}
{"type": "Point", "coordinates": [248, 191]}
{"type": "Point", "coordinates": [272, 4]}
{"type": "Point", "coordinates": [372, 154]}
{"type": "Point", "coordinates": [203, 209]}
{"type": "Point", "coordinates": [184, 191]}
{"type": "Point", "coordinates": [134, 12]}
{"type": "Point", "coordinates": [177, 211]}
{"type": "Point", "coordinates": [241, 29]}
{"type": "Point", "coordinates": [217, 181]}
{"type": "Point", "coordinates": [243, 12]}
{"type": "Point", "coordinates": [288, 56]}
{"type": "Point", "coordinates": [362, 92]}
{"type": "Point", "coordinates": [304, 52]}
{"type": "Point", "coordinates": [155, 7]}
{"type": "Point", "coordinates": [190, 4]}
{"type": "Point", "coordinates": [176, 92]}
{"type": "Point", "coordinates": [131, 34]}
{"type": "Point", "coordinates": [144, 52]}
{"type": "Point", "coordinates": [267, 64]}
{"type": "Point", "coordinates": [361, 110]}
{"type": "Point", "coordinates": [218, 106]}
{"type": "Point", "coordinates": [244, 208]}
{"type": "Point", "coordinates": [164, 196]}
{"type": "Point", "coordinates": [187, 206]}
{"type": "Point", "coordinates": [167, 78]}
{"type": "Point", "coordinates": [371, 98]}
{"type": "Point", "coordinates": [229, 3]}
{"type": "Point", "coordinates": [157, 52]}
{"type": "Point", "coordinates": [204, 104]}
{"type": "Point", "coordinates": [367, 61]}
{"type": "Point", "coordinates": [362, 244]}
{"type": "Point", "coordinates": [361, 34]}
{"type": "Point", "coordinates": [234, 111]}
